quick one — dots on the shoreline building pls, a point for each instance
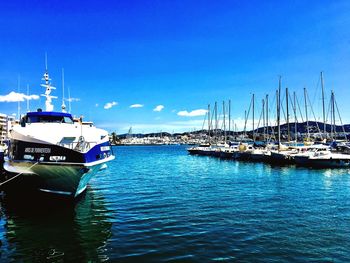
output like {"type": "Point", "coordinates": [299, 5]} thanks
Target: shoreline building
{"type": "Point", "coordinates": [5, 125]}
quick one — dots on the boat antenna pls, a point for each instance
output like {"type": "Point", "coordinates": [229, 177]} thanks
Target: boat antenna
{"type": "Point", "coordinates": [46, 61]}
{"type": "Point", "coordinates": [27, 97]}
{"type": "Point", "coordinates": [63, 107]}
{"type": "Point", "coordinates": [49, 88]}
{"type": "Point", "coordinates": [69, 101]}
{"type": "Point", "coordinates": [19, 103]}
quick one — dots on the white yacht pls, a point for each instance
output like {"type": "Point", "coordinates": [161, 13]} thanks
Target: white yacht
{"type": "Point", "coordinates": [337, 157]}
{"type": "Point", "coordinates": [56, 153]}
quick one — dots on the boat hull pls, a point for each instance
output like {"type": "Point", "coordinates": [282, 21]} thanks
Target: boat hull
{"type": "Point", "coordinates": [327, 163]}
{"type": "Point", "coordinates": [56, 169]}
{"type": "Point", "coordinates": [280, 158]}
{"type": "Point", "coordinates": [226, 154]}
{"type": "Point", "coordinates": [301, 160]}
{"type": "Point", "coordinates": [64, 179]}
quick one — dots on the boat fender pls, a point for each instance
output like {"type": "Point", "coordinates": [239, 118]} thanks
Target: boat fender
{"type": "Point", "coordinates": [242, 148]}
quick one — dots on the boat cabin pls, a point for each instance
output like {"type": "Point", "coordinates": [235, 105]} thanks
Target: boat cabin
{"type": "Point", "coordinates": [46, 117]}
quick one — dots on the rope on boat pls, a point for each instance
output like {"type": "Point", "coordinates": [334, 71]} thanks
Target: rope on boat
{"type": "Point", "coordinates": [8, 180]}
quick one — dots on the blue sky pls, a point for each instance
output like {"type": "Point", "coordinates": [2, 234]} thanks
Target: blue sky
{"type": "Point", "coordinates": [178, 54]}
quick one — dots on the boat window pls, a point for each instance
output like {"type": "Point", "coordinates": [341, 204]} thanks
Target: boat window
{"type": "Point", "coordinates": [50, 119]}
{"type": "Point", "coordinates": [68, 120]}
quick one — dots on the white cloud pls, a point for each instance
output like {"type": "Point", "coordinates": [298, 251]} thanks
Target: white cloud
{"type": "Point", "coordinates": [15, 97]}
{"type": "Point", "coordinates": [96, 105]}
{"type": "Point", "coordinates": [158, 108]}
{"type": "Point", "coordinates": [109, 105]}
{"type": "Point", "coordinates": [194, 113]}
{"type": "Point", "coordinates": [136, 106]}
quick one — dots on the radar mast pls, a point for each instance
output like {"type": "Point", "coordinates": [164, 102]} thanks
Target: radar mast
{"type": "Point", "coordinates": [49, 88]}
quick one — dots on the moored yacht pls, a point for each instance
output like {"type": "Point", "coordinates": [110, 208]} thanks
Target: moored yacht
{"type": "Point", "coordinates": [57, 154]}
{"type": "Point", "coordinates": [337, 157]}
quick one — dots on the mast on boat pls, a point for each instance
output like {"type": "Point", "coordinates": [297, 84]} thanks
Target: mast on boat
{"type": "Point", "coordinates": [209, 124]}
{"type": "Point", "coordinates": [306, 116]}
{"type": "Point", "coordinates": [323, 107]}
{"type": "Point", "coordinates": [63, 107]}
{"type": "Point", "coordinates": [253, 100]}
{"type": "Point", "coordinates": [245, 123]}
{"type": "Point", "coordinates": [224, 112]}
{"type": "Point", "coordinates": [19, 103]}
{"type": "Point", "coordinates": [229, 119]}
{"type": "Point", "coordinates": [267, 114]}
{"type": "Point", "coordinates": [333, 117]}
{"type": "Point", "coordinates": [295, 118]}
{"type": "Point", "coordinates": [27, 97]}
{"type": "Point", "coordinates": [264, 124]}
{"type": "Point", "coordinates": [279, 113]}
{"type": "Point", "coordinates": [216, 121]}
{"type": "Point", "coordinates": [49, 88]}
{"type": "Point", "coordinates": [288, 130]}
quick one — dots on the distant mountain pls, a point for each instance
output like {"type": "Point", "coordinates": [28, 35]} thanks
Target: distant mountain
{"type": "Point", "coordinates": [314, 127]}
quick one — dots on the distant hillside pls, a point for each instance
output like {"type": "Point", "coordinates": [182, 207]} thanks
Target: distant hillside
{"type": "Point", "coordinates": [314, 127]}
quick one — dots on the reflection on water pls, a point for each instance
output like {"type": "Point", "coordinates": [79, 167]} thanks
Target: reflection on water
{"type": "Point", "coordinates": [36, 227]}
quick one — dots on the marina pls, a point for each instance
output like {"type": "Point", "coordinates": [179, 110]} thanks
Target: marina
{"type": "Point", "coordinates": [175, 131]}
{"type": "Point", "coordinates": [162, 204]}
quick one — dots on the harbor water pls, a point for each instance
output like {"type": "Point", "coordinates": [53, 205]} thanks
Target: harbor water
{"type": "Point", "coordinates": [158, 203]}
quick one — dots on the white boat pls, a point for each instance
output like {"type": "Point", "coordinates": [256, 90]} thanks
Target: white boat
{"type": "Point", "coordinates": [334, 158]}
{"type": "Point", "coordinates": [302, 158]}
{"type": "Point", "coordinates": [260, 155]}
{"type": "Point", "coordinates": [56, 153]}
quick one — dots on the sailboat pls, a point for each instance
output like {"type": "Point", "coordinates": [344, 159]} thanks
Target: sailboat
{"type": "Point", "coordinates": [280, 156]}
{"type": "Point", "coordinates": [337, 155]}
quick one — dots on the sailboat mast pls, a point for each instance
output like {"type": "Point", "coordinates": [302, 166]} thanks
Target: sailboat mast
{"type": "Point", "coordinates": [279, 113]}
{"type": "Point", "coordinates": [264, 124]}
{"type": "Point", "coordinates": [253, 101]}
{"type": "Point", "coordinates": [224, 112]}
{"type": "Point", "coordinates": [267, 115]}
{"type": "Point", "coordinates": [323, 107]}
{"type": "Point", "coordinates": [333, 115]}
{"type": "Point", "coordinates": [209, 124]}
{"type": "Point", "coordinates": [245, 122]}
{"type": "Point", "coordinates": [306, 116]}
{"type": "Point", "coordinates": [229, 118]}
{"type": "Point", "coordinates": [287, 102]}
{"type": "Point", "coordinates": [295, 117]}
{"type": "Point", "coordinates": [216, 122]}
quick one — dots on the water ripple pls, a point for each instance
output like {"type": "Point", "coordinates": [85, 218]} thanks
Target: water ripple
{"type": "Point", "coordinates": [161, 204]}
